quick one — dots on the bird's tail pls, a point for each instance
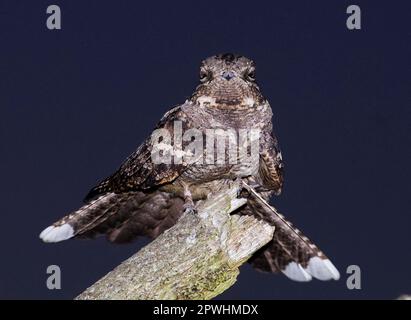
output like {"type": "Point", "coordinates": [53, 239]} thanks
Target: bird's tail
{"type": "Point", "coordinates": [121, 216]}
{"type": "Point", "coordinates": [290, 252]}
{"type": "Point", "coordinates": [82, 220]}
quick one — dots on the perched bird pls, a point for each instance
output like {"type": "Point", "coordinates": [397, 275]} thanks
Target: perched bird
{"type": "Point", "coordinates": [144, 197]}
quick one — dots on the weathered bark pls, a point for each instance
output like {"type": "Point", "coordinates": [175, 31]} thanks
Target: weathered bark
{"type": "Point", "coordinates": [198, 258]}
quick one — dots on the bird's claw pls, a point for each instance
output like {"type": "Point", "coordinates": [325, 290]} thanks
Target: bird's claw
{"type": "Point", "coordinates": [189, 209]}
{"type": "Point", "coordinates": [238, 183]}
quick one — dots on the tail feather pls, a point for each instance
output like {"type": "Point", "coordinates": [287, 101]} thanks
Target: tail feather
{"type": "Point", "coordinates": [81, 220]}
{"type": "Point", "coordinates": [121, 216]}
{"type": "Point", "coordinates": [290, 252]}
{"type": "Point", "coordinates": [57, 233]}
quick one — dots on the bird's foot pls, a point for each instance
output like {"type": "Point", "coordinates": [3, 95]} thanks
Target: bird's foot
{"type": "Point", "coordinates": [189, 208]}
{"type": "Point", "coordinates": [257, 187]}
{"type": "Point", "coordinates": [237, 183]}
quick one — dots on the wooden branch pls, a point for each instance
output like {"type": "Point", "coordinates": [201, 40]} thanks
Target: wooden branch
{"type": "Point", "coordinates": [198, 258]}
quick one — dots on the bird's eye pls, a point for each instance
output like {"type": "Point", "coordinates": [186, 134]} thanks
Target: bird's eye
{"type": "Point", "coordinates": [250, 75]}
{"type": "Point", "coordinates": [204, 75]}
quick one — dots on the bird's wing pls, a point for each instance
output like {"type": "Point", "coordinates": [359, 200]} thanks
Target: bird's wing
{"type": "Point", "coordinates": [128, 203]}
{"type": "Point", "coordinates": [271, 164]}
{"type": "Point", "coordinates": [139, 172]}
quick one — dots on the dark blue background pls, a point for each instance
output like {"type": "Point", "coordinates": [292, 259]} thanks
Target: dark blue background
{"type": "Point", "coordinates": [75, 102]}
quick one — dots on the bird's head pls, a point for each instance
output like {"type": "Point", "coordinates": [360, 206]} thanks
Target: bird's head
{"type": "Point", "coordinates": [227, 80]}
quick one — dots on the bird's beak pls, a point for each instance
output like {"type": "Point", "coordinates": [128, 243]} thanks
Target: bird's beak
{"type": "Point", "coordinates": [228, 75]}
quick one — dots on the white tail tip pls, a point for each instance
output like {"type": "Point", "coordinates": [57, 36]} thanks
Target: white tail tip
{"type": "Point", "coordinates": [56, 234]}
{"type": "Point", "coordinates": [296, 272]}
{"type": "Point", "coordinates": [322, 269]}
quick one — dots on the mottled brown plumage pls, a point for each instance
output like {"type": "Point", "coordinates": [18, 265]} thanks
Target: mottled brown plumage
{"type": "Point", "coordinates": [145, 198]}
